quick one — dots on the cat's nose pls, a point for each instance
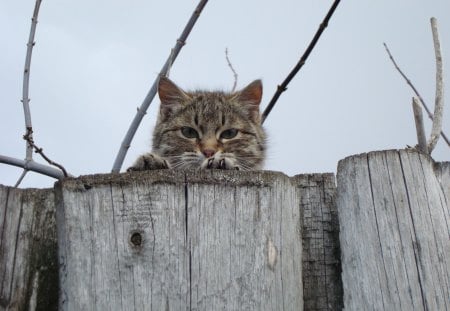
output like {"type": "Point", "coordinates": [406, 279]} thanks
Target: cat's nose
{"type": "Point", "coordinates": [208, 152]}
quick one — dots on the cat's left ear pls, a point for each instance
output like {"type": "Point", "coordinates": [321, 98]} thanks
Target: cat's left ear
{"type": "Point", "coordinates": [251, 97]}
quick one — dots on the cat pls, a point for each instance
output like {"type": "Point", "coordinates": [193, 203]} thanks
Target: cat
{"type": "Point", "coordinates": [206, 130]}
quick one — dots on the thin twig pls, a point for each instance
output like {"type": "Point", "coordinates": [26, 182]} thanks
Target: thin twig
{"type": "Point", "coordinates": [33, 166]}
{"type": "Point", "coordinates": [152, 92]}
{"type": "Point", "coordinates": [283, 87]}
{"type": "Point", "coordinates": [439, 97]}
{"type": "Point", "coordinates": [420, 129]}
{"type": "Point", "coordinates": [235, 75]}
{"type": "Point", "coordinates": [430, 115]}
{"type": "Point", "coordinates": [29, 138]}
{"type": "Point", "coordinates": [25, 171]}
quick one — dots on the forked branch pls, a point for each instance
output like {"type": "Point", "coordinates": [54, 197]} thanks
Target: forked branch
{"type": "Point", "coordinates": [29, 138]}
{"type": "Point", "coordinates": [142, 110]}
{"type": "Point", "coordinates": [28, 164]}
{"type": "Point", "coordinates": [283, 86]}
{"type": "Point", "coordinates": [408, 81]}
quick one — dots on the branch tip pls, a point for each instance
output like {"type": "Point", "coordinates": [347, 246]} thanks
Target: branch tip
{"type": "Point", "coordinates": [301, 62]}
{"type": "Point", "coordinates": [411, 85]}
{"type": "Point", "coordinates": [230, 65]}
{"type": "Point", "coordinates": [439, 97]}
{"type": "Point", "coordinates": [181, 41]}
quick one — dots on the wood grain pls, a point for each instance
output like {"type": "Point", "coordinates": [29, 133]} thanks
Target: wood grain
{"type": "Point", "coordinates": [395, 235]}
{"type": "Point", "coordinates": [173, 240]}
{"type": "Point", "coordinates": [322, 285]}
{"type": "Point", "coordinates": [214, 240]}
{"type": "Point", "coordinates": [28, 247]}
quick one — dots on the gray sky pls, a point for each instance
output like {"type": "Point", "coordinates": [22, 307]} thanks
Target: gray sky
{"type": "Point", "coordinates": [94, 62]}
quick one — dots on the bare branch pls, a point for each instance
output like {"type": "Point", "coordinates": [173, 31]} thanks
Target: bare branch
{"type": "Point", "coordinates": [152, 92]}
{"type": "Point", "coordinates": [28, 163]}
{"type": "Point", "coordinates": [170, 63]}
{"type": "Point", "coordinates": [21, 178]}
{"type": "Point", "coordinates": [430, 115]}
{"type": "Point", "coordinates": [420, 130]}
{"type": "Point", "coordinates": [26, 75]}
{"type": "Point", "coordinates": [33, 166]}
{"type": "Point", "coordinates": [439, 99]}
{"type": "Point", "coordinates": [26, 84]}
{"type": "Point", "coordinates": [235, 75]}
{"type": "Point", "coordinates": [283, 87]}
{"type": "Point", "coordinates": [29, 138]}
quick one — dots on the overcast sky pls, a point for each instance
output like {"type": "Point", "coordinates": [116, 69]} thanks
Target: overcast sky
{"type": "Point", "coordinates": [94, 62]}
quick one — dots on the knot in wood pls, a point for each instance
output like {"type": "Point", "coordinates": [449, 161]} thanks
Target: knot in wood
{"type": "Point", "coordinates": [136, 239]}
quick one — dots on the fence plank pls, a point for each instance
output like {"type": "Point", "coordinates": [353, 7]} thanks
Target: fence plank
{"type": "Point", "coordinates": [442, 170]}
{"type": "Point", "coordinates": [180, 240]}
{"type": "Point", "coordinates": [395, 235]}
{"type": "Point", "coordinates": [28, 265]}
{"type": "Point", "coordinates": [322, 285]}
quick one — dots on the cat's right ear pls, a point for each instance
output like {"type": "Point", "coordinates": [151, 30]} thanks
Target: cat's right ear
{"type": "Point", "coordinates": [172, 97]}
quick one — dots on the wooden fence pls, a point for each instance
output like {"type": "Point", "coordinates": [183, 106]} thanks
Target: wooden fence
{"type": "Point", "coordinates": [226, 240]}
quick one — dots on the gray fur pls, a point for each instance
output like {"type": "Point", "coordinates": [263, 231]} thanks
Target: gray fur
{"type": "Point", "coordinates": [209, 114]}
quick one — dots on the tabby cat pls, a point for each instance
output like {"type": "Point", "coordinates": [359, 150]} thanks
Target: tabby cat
{"type": "Point", "coordinates": [207, 130]}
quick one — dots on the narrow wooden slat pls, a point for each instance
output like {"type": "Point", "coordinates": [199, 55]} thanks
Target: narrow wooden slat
{"type": "Point", "coordinates": [28, 261]}
{"type": "Point", "coordinates": [322, 285]}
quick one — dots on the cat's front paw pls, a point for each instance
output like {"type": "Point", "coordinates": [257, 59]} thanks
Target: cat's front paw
{"type": "Point", "coordinates": [149, 161]}
{"type": "Point", "coordinates": [219, 163]}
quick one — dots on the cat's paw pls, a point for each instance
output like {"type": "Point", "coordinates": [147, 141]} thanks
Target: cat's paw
{"type": "Point", "coordinates": [149, 161]}
{"type": "Point", "coordinates": [220, 163]}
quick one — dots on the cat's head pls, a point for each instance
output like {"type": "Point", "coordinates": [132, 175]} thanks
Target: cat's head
{"type": "Point", "coordinates": [210, 129]}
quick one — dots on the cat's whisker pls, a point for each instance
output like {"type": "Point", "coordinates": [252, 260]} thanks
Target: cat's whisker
{"type": "Point", "coordinates": [178, 165]}
{"type": "Point", "coordinates": [181, 156]}
{"type": "Point", "coordinates": [182, 161]}
{"type": "Point", "coordinates": [245, 166]}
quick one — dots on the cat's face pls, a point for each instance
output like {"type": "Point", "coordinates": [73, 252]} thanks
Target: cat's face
{"type": "Point", "coordinates": [210, 129]}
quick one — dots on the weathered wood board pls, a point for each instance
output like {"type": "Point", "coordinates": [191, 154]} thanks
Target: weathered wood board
{"type": "Point", "coordinates": [212, 240]}
{"type": "Point", "coordinates": [442, 170]}
{"type": "Point", "coordinates": [37, 257]}
{"type": "Point", "coordinates": [28, 250]}
{"type": "Point", "coordinates": [395, 231]}
{"type": "Point", "coordinates": [322, 286]}
{"type": "Point", "coordinates": [172, 240]}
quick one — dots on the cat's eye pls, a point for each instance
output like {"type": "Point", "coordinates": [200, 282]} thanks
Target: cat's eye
{"type": "Point", "coordinates": [228, 134]}
{"type": "Point", "coordinates": [189, 132]}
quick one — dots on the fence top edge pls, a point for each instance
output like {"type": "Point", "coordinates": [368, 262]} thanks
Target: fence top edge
{"type": "Point", "coordinates": [230, 178]}
{"type": "Point", "coordinates": [29, 191]}
{"type": "Point", "coordinates": [365, 155]}
{"type": "Point", "coordinates": [251, 178]}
